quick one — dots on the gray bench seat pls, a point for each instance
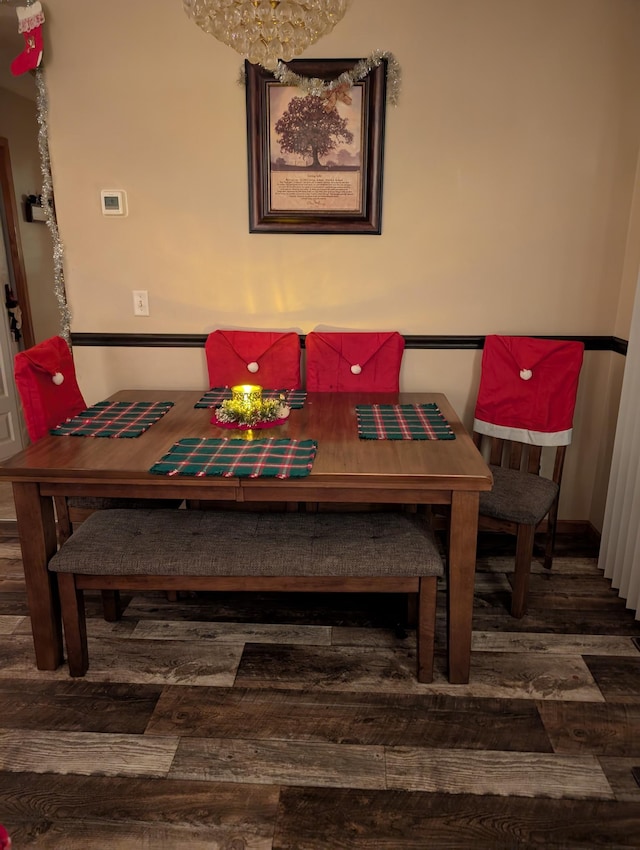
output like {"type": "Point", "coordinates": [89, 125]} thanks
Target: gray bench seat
{"type": "Point", "coordinates": [238, 550]}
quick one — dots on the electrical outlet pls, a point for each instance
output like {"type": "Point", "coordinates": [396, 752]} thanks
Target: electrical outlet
{"type": "Point", "coordinates": [140, 302]}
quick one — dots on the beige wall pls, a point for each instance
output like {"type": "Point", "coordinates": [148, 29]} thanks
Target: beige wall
{"type": "Point", "coordinates": [18, 124]}
{"type": "Point", "coordinates": [508, 184]}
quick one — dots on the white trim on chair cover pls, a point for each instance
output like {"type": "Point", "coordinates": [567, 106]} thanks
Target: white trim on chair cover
{"type": "Point", "coordinates": [535, 438]}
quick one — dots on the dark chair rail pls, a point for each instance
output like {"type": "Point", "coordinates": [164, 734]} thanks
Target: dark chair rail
{"type": "Point", "coordinates": [415, 341]}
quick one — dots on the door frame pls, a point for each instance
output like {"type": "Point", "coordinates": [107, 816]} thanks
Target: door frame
{"type": "Point", "coordinates": [14, 246]}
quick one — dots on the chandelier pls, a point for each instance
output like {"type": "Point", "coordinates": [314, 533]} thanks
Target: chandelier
{"type": "Point", "coordinates": [265, 31]}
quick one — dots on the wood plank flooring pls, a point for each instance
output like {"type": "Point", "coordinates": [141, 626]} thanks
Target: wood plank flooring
{"type": "Point", "coordinates": [275, 722]}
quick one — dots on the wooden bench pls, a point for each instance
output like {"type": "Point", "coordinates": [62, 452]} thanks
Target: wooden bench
{"type": "Point", "coordinates": [194, 550]}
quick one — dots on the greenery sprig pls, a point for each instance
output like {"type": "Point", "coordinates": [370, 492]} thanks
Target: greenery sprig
{"type": "Point", "coordinates": [268, 410]}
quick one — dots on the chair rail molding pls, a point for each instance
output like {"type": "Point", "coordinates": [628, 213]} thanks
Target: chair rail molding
{"type": "Point", "coordinates": [412, 341]}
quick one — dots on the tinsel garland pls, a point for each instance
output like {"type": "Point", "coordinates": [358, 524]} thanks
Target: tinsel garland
{"type": "Point", "coordinates": [47, 204]}
{"type": "Point", "coordinates": [318, 87]}
{"type": "Point", "coordinates": [42, 103]}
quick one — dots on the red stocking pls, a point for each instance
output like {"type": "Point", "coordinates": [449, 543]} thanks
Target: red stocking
{"type": "Point", "coordinates": [5, 841]}
{"type": "Point", "coordinates": [30, 20]}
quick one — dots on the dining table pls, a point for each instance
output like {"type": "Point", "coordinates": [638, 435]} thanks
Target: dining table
{"type": "Point", "coordinates": [348, 469]}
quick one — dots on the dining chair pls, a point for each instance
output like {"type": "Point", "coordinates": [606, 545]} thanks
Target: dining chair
{"type": "Point", "coordinates": [270, 359]}
{"type": "Point", "coordinates": [523, 423]}
{"type": "Point", "coordinates": [358, 361]}
{"type": "Point", "coordinates": [354, 361]}
{"type": "Point", "coordinates": [46, 380]}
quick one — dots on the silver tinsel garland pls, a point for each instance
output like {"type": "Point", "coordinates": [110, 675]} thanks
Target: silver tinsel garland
{"type": "Point", "coordinates": [47, 204]}
{"type": "Point", "coordinates": [42, 103]}
{"type": "Point", "coordinates": [318, 87]}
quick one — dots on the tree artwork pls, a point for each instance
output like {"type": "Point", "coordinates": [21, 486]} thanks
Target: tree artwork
{"type": "Point", "coordinates": [308, 129]}
{"type": "Point", "coordinates": [315, 141]}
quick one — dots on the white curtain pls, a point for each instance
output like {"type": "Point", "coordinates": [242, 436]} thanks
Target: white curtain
{"type": "Point", "coordinates": [620, 544]}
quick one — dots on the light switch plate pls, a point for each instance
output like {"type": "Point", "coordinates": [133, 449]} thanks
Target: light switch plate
{"type": "Point", "coordinates": [140, 302]}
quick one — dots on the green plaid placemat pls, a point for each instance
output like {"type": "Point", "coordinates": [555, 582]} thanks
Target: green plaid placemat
{"type": "Point", "coordinates": [402, 422]}
{"type": "Point", "coordinates": [236, 458]}
{"type": "Point", "coordinates": [114, 419]}
{"type": "Point", "coordinates": [214, 397]}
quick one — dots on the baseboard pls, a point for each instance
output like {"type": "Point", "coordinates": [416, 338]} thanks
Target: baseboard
{"type": "Point", "coordinates": [576, 527]}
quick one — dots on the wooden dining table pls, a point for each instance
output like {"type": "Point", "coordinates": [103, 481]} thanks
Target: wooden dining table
{"type": "Point", "coordinates": [347, 470]}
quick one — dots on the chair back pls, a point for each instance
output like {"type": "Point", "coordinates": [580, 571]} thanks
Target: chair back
{"type": "Point", "coordinates": [361, 361]}
{"type": "Point", "coordinates": [523, 457]}
{"type": "Point", "coordinates": [528, 389]}
{"type": "Point", "coordinates": [46, 380]}
{"type": "Point", "coordinates": [270, 359]}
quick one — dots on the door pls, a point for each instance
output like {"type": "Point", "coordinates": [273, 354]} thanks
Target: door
{"type": "Point", "coordinates": [11, 421]}
{"type": "Point", "coordinates": [13, 435]}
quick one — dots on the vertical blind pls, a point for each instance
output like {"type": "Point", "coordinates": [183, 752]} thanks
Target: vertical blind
{"type": "Point", "coordinates": [620, 544]}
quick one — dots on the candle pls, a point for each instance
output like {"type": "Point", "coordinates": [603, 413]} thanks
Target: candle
{"type": "Point", "coordinates": [249, 395]}
{"type": "Point", "coordinates": [246, 399]}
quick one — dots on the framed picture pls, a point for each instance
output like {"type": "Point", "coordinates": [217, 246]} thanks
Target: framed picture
{"type": "Point", "coordinates": [315, 160]}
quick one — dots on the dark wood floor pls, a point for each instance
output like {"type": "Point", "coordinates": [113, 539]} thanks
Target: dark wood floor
{"type": "Point", "coordinates": [295, 723]}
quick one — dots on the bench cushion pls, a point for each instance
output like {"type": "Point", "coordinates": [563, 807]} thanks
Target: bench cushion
{"type": "Point", "coordinates": [239, 543]}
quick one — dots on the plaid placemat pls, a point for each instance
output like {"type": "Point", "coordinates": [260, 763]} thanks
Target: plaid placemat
{"type": "Point", "coordinates": [114, 419]}
{"type": "Point", "coordinates": [236, 458]}
{"type": "Point", "coordinates": [294, 399]}
{"type": "Point", "coordinates": [402, 422]}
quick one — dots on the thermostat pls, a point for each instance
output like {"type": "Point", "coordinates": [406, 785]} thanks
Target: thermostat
{"type": "Point", "coordinates": [114, 202]}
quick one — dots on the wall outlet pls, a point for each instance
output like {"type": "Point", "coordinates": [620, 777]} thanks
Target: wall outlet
{"type": "Point", "coordinates": [140, 302]}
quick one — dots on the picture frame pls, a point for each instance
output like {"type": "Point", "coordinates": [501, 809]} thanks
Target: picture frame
{"type": "Point", "coordinates": [325, 181]}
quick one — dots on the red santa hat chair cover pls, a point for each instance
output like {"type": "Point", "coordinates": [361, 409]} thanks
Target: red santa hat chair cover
{"type": "Point", "coordinates": [270, 359]}
{"type": "Point", "coordinates": [528, 389]}
{"type": "Point", "coordinates": [46, 380]}
{"type": "Point", "coordinates": [361, 361]}
{"type": "Point", "coordinates": [525, 404]}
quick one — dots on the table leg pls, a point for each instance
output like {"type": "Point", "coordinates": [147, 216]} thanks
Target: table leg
{"type": "Point", "coordinates": [37, 532]}
{"type": "Point", "coordinates": [463, 531]}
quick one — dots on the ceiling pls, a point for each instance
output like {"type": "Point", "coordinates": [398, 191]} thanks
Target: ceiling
{"type": "Point", "coordinates": [11, 44]}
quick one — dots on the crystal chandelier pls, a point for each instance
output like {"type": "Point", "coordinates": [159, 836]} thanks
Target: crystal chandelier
{"type": "Point", "coordinates": [265, 31]}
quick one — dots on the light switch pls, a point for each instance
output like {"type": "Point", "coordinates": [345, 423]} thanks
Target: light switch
{"type": "Point", "coordinates": [140, 302]}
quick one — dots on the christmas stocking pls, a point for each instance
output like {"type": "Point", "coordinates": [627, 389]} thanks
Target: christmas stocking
{"type": "Point", "coordinates": [30, 20]}
{"type": "Point", "coordinates": [5, 840]}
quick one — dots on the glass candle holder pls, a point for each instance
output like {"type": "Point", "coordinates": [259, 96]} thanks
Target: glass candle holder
{"type": "Point", "coordinates": [247, 398]}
